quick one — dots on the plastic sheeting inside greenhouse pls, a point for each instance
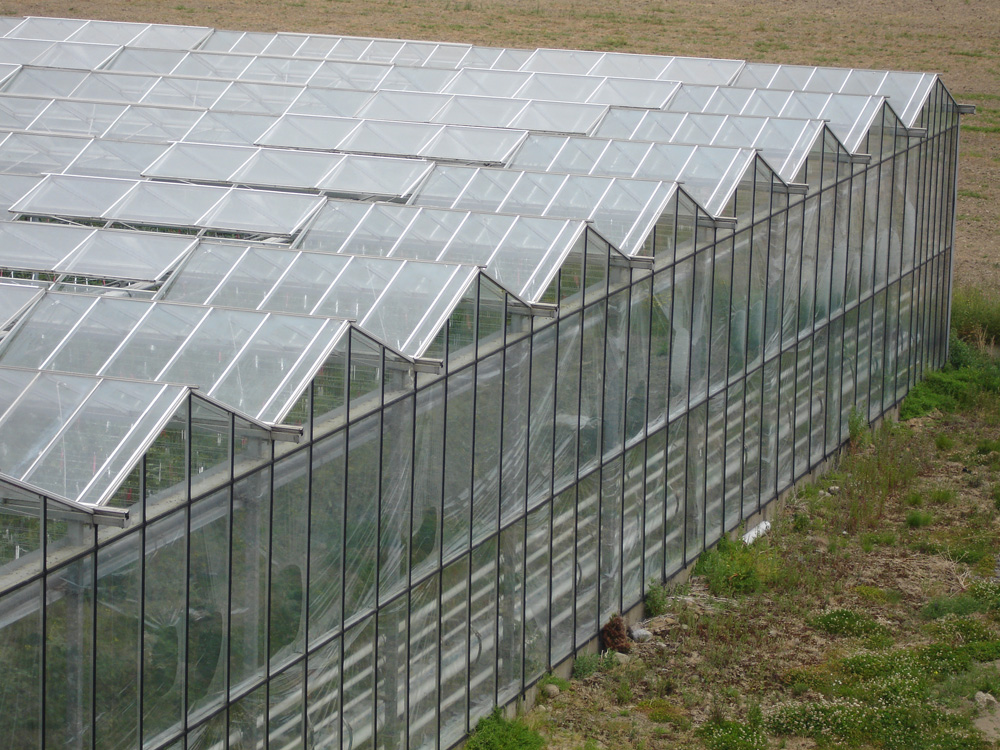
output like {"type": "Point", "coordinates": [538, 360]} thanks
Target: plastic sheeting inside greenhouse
{"type": "Point", "coordinates": [348, 385]}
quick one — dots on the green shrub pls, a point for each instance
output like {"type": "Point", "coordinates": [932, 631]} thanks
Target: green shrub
{"type": "Point", "coordinates": [721, 734]}
{"type": "Point", "coordinates": [943, 442]}
{"type": "Point", "coordinates": [975, 313]}
{"type": "Point", "coordinates": [657, 598]}
{"type": "Point", "coordinates": [494, 732]}
{"type": "Point", "coordinates": [917, 519]}
{"type": "Point", "coordinates": [587, 664]}
{"type": "Point", "coordinates": [734, 568]}
{"type": "Point", "coordinates": [960, 604]}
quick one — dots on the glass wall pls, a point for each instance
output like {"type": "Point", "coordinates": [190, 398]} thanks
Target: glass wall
{"type": "Point", "coordinates": [438, 540]}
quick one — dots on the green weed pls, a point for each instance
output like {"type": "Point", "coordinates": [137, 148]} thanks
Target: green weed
{"type": "Point", "coordinates": [657, 598]}
{"type": "Point", "coordinates": [494, 732]}
{"type": "Point", "coordinates": [735, 568]}
{"type": "Point", "coordinates": [943, 442]}
{"type": "Point", "coordinates": [917, 519]}
{"type": "Point", "coordinates": [960, 605]}
{"type": "Point", "coordinates": [847, 622]}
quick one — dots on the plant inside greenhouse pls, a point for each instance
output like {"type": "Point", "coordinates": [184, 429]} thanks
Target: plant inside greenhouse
{"type": "Point", "coordinates": [349, 385]}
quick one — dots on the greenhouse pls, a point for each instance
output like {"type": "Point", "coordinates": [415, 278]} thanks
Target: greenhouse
{"type": "Point", "coordinates": [402, 366]}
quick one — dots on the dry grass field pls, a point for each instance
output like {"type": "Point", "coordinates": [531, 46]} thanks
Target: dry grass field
{"type": "Point", "coordinates": [959, 39]}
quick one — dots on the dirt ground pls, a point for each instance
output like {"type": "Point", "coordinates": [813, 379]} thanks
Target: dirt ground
{"type": "Point", "coordinates": [960, 39]}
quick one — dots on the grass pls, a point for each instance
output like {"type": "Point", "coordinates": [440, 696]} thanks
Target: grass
{"type": "Point", "coordinates": [657, 598]}
{"type": "Point", "coordinates": [848, 622]}
{"type": "Point", "coordinates": [917, 519]}
{"type": "Point", "coordinates": [494, 732]}
{"type": "Point", "coordinates": [734, 568]}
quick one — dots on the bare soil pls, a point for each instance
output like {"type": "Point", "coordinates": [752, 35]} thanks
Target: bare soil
{"type": "Point", "coordinates": [960, 39]}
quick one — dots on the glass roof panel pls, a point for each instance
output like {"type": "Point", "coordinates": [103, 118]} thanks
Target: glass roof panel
{"type": "Point", "coordinates": [381, 50]}
{"type": "Point", "coordinates": [429, 234]}
{"type": "Point", "coordinates": [628, 92]}
{"type": "Point", "coordinates": [317, 45]}
{"type": "Point", "coordinates": [336, 102]}
{"type": "Point", "coordinates": [102, 158]}
{"type": "Point", "coordinates": [204, 356]}
{"type": "Point", "coordinates": [114, 87]}
{"type": "Point", "coordinates": [136, 256]}
{"type": "Point", "coordinates": [533, 193]}
{"type": "Point", "coordinates": [17, 112]}
{"type": "Point", "coordinates": [305, 282]}
{"type": "Point", "coordinates": [70, 195]}
{"type": "Point", "coordinates": [261, 211]}
{"type": "Point", "coordinates": [512, 59]}
{"type": "Point", "coordinates": [45, 82]}
{"type": "Point", "coordinates": [447, 56]}
{"type": "Point", "coordinates": [374, 176]}
{"type": "Point", "coordinates": [488, 189]}
{"type": "Point", "coordinates": [404, 105]}
{"type": "Point", "coordinates": [349, 48]}
{"type": "Point", "coordinates": [269, 98]}
{"type": "Point", "coordinates": [238, 128]}
{"type": "Point", "coordinates": [417, 304]}
{"type": "Point", "coordinates": [54, 29]}
{"type": "Point", "coordinates": [156, 124]}
{"type": "Point", "coordinates": [157, 61]}
{"type": "Point", "coordinates": [621, 158]}
{"type": "Point", "coordinates": [539, 151]}
{"type": "Point", "coordinates": [390, 138]}
{"type": "Point", "coordinates": [559, 117]}
{"type": "Point", "coordinates": [756, 75]}
{"type": "Point", "coordinates": [481, 57]}
{"type": "Point", "coordinates": [271, 167]}
{"type": "Point", "coordinates": [143, 432]}
{"type": "Point", "coordinates": [279, 70]}
{"type": "Point", "coordinates": [35, 154]}
{"type": "Point", "coordinates": [13, 299]}
{"type": "Point", "coordinates": [359, 286]}
{"type": "Point", "coordinates": [400, 78]}
{"type": "Point", "coordinates": [96, 336]}
{"type": "Point", "coordinates": [283, 44]}
{"type": "Point", "coordinates": [93, 434]}
{"type": "Point", "coordinates": [579, 196]}
{"type": "Point", "coordinates": [307, 131]}
{"type": "Point", "coordinates": [185, 92]}
{"type": "Point", "coordinates": [154, 341]}
{"type": "Point", "coordinates": [80, 118]}
{"type": "Point", "coordinates": [530, 255]}
{"type": "Point", "coordinates": [37, 246]}
{"type": "Point", "coordinates": [335, 222]}
{"type": "Point", "coordinates": [172, 37]}
{"type": "Point", "coordinates": [166, 203]}
{"type": "Point", "coordinates": [12, 188]}
{"type": "Point", "coordinates": [108, 32]}
{"type": "Point", "coordinates": [691, 98]}
{"type": "Point", "coordinates": [199, 161]}
{"type": "Point", "coordinates": [201, 273]}
{"type": "Point", "coordinates": [220, 40]}
{"type": "Point", "coordinates": [76, 55]}
{"type": "Point", "coordinates": [252, 42]}
{"type": "Point", "coordinates": [477, 240]}
{"type": "Point", "coordinates": [380, 230]}
{"type": "Point", "coordinates": [349, 75]}
{"type": "Point", "coordinates": [47, 324]}
{"type": "Point", "coordinates": [560, 88]}
{"type": "Point", "coordinates": [43, 410]}
{"type": "Point", "coordinates": [562, 61]}
{"type": "Point", "coordinates": [479, 110]}
{"type": "Point", "coordinates": [630, 66]}
{"type": "Point", "coordinates": [468, 144]}
{"type": "Point", "coordinates": [13, 382]}
{"type": "Point", "coordinates": [444, 185]}
{"type": "Point", "coordinates": [487, 82]}
{"type": "Point", "coordinates": [21, 51]}
{"type": "Point", "coordinates": [283, 348]}
{"type": "Point", "coordinates": [701, 70]}
{"type": "Point", "coordinates": [678, 127]}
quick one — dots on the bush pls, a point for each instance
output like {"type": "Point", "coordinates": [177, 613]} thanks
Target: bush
{"type": "Point", "coordinates": [975, 314]}
{"type": "Point", "coordinates": [736, 568]}
{"type": "Point", "coordinates": [657, 598]}
{"type": "Point", "coordinates": [494, 732]}
{"type": "Point", "coordinates": [916, 519]}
